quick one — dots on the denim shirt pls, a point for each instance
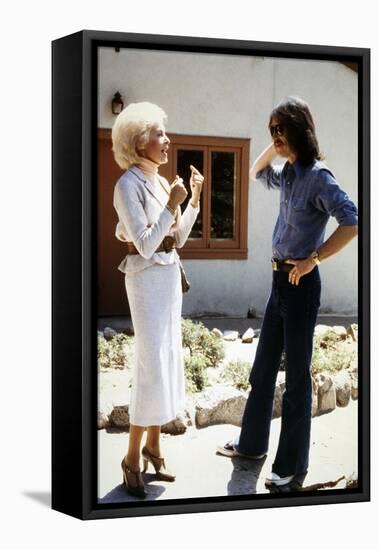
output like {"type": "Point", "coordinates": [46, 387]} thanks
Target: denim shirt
{"type": "Point", "coordinates": [308, 197]}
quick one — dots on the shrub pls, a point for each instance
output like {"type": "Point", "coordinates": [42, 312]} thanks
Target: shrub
{"type": "Point", "coordinates": [329, 340]}
{"type": "Point", "coordinates": [114, 353]}
{"type": "Point", "coordinates": [330, 354]}
{"type": "Point", "coordinates": [201, 341]}
{"type": "Point", "coordinates": [237, 373]}
{"type": "Point", "coordinates": [195, 372]}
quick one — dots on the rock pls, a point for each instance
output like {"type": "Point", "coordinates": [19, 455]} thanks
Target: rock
{"type": "Point", "coordinates": [352, 331]}
{"type": "Point", "coordinates": [343, 388]}
{"type": "Point", "coordinates": [278, 395]}
{"type": "Point", "coordinates": [248, 336]}
{"type": "Point", "coordinates": [119, 416]}
{"type": "Point", "coordinates": [324, 382]}
{"type": "Point", "coordinates": [109, 333]}
{"type": "Point", "coordinates": [326, 394]}
{"type": "Point", "coordinates": [314, 397]}
{"type": "Point", "coordinates": [177, 426]}
{"type": "Point", "coordinates": [321, 330]}
{"type": "Point", "coordinates": [219, 405]}
{"type": "Point", "coordinates": [279, 391]}
{"type": "Point", "coordinates": [353, 369]}
{"type": "Point", "coordinates": [99, 334]}
{"type": "Point", "coordinates": [354, 387]}
{"type": "Point", "coordinates": [278, 400]}
{"type": "Point", "coordinates": [217, 332]}
{"type": "Point", "coordinates": [340, 331]}
{"type": "Point", "coordinates": [281, 379]}
{"type": "Point", "coordinates": [230, 335]}
{"type": "Point", "coordinates": [102, 420]}
{"type": "Point", "coordinates": [190, 409]}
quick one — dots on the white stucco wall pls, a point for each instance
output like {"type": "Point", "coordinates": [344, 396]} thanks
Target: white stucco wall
{"type": "Point", "coordinates": [232, 96]}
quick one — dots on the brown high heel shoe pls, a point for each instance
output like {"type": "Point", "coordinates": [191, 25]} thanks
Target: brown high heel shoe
{"type": "Point", "coordinates": [159, 465]}
{"type": "Point", "coordinates": [135, 490]}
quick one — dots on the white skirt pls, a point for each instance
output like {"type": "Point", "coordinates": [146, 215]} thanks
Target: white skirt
{"type": "Point", "coordinates": [155, 300]}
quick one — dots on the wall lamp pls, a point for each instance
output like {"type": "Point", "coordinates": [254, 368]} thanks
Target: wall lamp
{"type": "Point", "coordinates": [117, 103]}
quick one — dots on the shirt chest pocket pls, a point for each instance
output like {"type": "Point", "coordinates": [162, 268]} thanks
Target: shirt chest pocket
{"type": "Point", "coordinates": [296, 211]}
{"type": "Point", "coordinates": [298, 203]}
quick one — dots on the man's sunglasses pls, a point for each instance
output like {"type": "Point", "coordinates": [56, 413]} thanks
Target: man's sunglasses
{"type": "Point", "coordinates": [277, 129]}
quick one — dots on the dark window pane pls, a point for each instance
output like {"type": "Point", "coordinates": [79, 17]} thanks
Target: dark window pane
{"type": "Point", "coordinates": [185, 159]}
{"type": "Point", "coordinates": [223, 198]}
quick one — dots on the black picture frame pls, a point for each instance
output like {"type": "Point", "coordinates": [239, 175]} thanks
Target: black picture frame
{"type": "Point", "coordinates": [74, 228]}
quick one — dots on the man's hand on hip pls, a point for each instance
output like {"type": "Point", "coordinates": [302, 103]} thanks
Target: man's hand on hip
{"type": "Point", "coordinates": [300, 268]}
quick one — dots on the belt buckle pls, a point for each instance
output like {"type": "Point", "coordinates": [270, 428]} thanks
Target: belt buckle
{"type": "Point", "coordinates": [274, 265]}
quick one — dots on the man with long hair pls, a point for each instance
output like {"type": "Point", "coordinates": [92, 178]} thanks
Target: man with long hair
{"type": "Point", "coordinates": [309, 195]}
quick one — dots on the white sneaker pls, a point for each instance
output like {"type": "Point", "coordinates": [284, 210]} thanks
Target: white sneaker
{"type": "Point", "coordinates": [274, 479]}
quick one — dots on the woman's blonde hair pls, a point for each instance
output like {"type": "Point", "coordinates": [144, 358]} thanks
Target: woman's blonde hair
{"type": "Point", "coordinates": [131, 131]}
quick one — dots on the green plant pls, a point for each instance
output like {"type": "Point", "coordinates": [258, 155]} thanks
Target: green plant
{"type": "Point", "coordinates": [237, 373]}
{"type": "Point", "coordinates": [331, 354]}
{"type": "Point", "coordinates": [195, 372]}
{"type": "Point", "coordinates": [329, 339]}
{"type": "Point", "coordinates": [114, 353]}
{"type": "Point", "coordinates": [201, 341]}
{"type": "Point", "coordinates": [320, 359]}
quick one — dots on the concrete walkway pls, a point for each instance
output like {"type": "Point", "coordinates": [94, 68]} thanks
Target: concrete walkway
{"type": "Point", "coordinates": [203, 473]}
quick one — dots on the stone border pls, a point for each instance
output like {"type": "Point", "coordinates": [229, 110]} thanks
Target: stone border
{"type": "Point", "coordinates": [224, 404]}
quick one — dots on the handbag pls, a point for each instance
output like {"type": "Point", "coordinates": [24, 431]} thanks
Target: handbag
{"type": "Point", "coordinates": [185, 283]}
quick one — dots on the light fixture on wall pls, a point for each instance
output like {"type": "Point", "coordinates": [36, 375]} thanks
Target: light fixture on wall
{"type": "Point", "coordinates": [117, 103]}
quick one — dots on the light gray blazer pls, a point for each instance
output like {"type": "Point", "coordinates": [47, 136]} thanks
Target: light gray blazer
{"type": "Point", "coordinates": [144, 220]}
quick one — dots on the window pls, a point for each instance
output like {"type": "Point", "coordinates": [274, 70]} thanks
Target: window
{"type": "Point", "coordinates": [220, 232]}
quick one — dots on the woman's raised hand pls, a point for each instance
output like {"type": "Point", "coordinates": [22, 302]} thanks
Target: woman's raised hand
{"type": "Point", "coordinates": [196, 182]}
{"type": "Point", "coordinates": [178, 193]}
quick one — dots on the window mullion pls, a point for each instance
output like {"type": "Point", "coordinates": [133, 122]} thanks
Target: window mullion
{"type": "Point", "coordinates": [207, 202]}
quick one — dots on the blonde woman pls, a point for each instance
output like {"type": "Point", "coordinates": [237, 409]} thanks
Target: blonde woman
{"type": "Point", "coordinates": [152, 226]}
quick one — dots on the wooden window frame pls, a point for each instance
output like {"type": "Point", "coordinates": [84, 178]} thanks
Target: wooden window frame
{"type": "Point", "coordinates": [195, 244]}
{"type": "Point", "coordinates": [207, 248]}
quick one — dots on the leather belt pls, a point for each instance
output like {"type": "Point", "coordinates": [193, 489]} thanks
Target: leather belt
{"type": "Point", "coordinates": [166, 245]}
{"type": "Point", "coordinates": [280, 265]}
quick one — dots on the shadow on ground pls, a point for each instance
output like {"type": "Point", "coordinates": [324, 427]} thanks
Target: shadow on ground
{"type": "Point", "coordinates": [245, 476]}
{"type": "Point", "coordinates": [243, 481]}
{"type": "Point", "coordinates": [120, 493]}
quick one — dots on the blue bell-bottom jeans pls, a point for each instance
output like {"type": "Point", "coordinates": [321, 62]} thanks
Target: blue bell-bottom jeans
{"type": "Point", "coordinates": [288, 325]}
